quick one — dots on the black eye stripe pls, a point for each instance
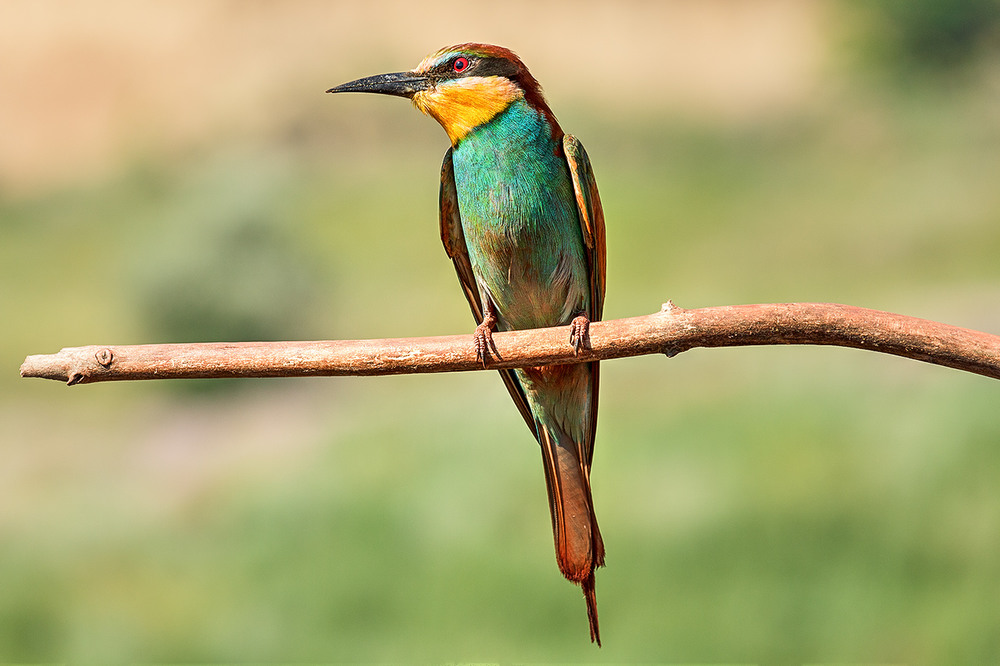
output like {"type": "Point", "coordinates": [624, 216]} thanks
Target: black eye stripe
{"type": "Point", "coordinates": [477, 66]}
{"type": "Point", "coordinates": [495, 67]}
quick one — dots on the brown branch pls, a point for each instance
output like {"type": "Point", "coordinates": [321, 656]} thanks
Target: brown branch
{"type": "Point", "coordinates": [670, 331]}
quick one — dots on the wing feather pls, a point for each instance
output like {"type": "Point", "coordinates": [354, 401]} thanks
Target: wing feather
{"type": "Point", "coordinates": [591, 213]}
{"type": "Point", "coordinates": [588, 205]}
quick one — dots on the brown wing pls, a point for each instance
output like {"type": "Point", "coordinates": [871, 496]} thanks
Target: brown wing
{"type": "Point", "coordinates": [454, 244]}
{"type": "Point", "coordinates": [588, 205]}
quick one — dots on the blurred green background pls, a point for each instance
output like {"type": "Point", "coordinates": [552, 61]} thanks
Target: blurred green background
{"type": "Point", "coordinates": [174, 172]}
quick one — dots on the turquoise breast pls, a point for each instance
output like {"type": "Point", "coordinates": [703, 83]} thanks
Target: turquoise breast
{"type": "Point", "coordinates": [520, 220]}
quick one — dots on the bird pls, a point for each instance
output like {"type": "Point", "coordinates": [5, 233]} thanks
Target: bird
{"type": "Point", "coordinates": [521, 220]}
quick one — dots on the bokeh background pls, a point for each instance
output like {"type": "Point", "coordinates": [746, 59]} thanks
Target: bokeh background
{"type": "Point", "coordinates": [172, 171]}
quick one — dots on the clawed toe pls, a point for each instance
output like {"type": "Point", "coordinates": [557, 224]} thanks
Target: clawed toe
{"type": "Point", "coordinates": [579, 333]}
{"type": "Point", "coordinates": [483, 339]}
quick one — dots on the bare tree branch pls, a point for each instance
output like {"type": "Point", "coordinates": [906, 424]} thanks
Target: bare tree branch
{"type": "Point", "coordinates": [670, 331]}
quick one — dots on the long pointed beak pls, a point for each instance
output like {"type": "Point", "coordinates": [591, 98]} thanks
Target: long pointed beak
{"type": "Point", "coordinates": [401, 84]}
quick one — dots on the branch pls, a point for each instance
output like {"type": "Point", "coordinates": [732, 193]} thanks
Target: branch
{"type": "Point", "coordinates": [670, 331]}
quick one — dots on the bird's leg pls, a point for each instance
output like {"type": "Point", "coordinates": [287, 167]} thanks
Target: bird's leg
{"type": "Point", "coordinates": [579, 333]}
{"type": "Point", "coordinates": [484, 334]}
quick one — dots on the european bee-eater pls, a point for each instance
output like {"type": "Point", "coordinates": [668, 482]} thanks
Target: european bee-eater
{"type": "Point", "coordinates": [522, 221]}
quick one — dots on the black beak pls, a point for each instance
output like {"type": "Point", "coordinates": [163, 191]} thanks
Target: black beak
{"type": "Point", "coordinates": [401, 84]}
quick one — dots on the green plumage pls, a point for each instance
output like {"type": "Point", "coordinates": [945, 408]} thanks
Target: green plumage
{"type": "Point", "coordinates": [522, 222]}
{"type": "Point", "coordinates": [521, 218]}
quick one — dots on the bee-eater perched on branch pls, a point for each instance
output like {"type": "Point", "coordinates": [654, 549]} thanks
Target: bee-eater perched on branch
{"type": "Point", "coordinates": [521, 219]}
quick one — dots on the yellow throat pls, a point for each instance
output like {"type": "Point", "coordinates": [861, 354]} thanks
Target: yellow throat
{"type": "Point", "coordinates": [462, 105]}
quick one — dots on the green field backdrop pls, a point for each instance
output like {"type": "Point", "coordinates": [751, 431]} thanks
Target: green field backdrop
{"type": "Point", "coordinates": [173, 172]}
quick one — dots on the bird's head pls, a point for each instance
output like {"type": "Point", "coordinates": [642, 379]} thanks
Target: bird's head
{"type": "Point", "coordinates": [462, 87]}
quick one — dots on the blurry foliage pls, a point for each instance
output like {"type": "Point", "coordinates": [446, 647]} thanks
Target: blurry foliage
{"type": "Point", "coordinates": [234, 279]}
{"type": "Point", "coordinates": [913, 37]}
{"type": "Point", "coordinates": [228, 267]}
{"type": "Point", "coordinates": [774, 504]}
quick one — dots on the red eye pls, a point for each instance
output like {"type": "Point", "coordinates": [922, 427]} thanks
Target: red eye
{"type": "Point", "coordinates": [460, 64]}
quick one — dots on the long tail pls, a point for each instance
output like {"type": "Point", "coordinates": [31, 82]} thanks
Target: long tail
{"type": "Point", "coordinates": [579, 547]}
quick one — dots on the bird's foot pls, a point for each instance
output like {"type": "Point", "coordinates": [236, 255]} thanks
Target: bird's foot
{"type": "Point", "coordinates": [483, 338]}
{"type": "Point", "coordinates": [579, 333]}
